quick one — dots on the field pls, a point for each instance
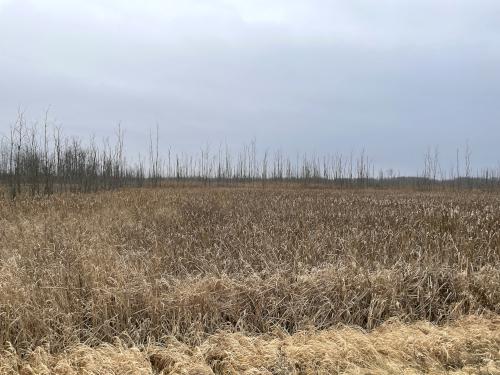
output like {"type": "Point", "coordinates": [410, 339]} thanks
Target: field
{"type": "Point", "coordinates": [275, 279]}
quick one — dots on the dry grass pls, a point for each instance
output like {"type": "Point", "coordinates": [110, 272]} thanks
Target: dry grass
{"type": "Point", "coordinates": [77, 271]}
{"type": "Point", "coordinates": [468, 346]}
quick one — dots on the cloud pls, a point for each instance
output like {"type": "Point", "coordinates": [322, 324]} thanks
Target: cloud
{"type": "Point", "coordinates": [4, 3]}
{"type": "Point", "coordinates": [316, 75]}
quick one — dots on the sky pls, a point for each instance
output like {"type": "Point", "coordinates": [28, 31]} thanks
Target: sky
{"type": "Point", "coordinates": [390, 76]}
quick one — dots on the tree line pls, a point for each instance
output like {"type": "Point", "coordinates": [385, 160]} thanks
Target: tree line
{"type": "Point", "coordinates": [39, 160]}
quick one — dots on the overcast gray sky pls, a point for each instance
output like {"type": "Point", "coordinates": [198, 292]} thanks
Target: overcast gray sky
{"type": "Point", "coordinates": [393, 76]}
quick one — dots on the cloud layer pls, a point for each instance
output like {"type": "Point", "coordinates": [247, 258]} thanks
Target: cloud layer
{"type": "Point", "coordinates": [391, 76]}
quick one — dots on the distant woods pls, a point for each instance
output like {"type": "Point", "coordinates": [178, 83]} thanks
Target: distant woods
{"type": "Point", "coordinates": [39, 160]}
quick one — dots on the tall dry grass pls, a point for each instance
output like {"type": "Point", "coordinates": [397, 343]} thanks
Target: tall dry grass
{"type": "Point", "coordinates": [468, 346]}
{"type": "Point", "coordinates": [174, 260]}
{"type": "Point", "coordinates": [144, 264]}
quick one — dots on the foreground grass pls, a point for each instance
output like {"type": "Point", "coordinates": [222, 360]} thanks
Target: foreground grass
{"type": "Point", "coordinates": [468, 346]}
{"type": "Point", "coordinates": [250, 274]}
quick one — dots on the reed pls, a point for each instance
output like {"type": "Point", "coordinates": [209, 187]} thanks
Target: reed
{"type": "Point", "coordinates": [190, 261]}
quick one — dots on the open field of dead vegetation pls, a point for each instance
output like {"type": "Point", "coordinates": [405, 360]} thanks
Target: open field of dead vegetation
{"type": "Point", "coordinates": [250, 280]}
